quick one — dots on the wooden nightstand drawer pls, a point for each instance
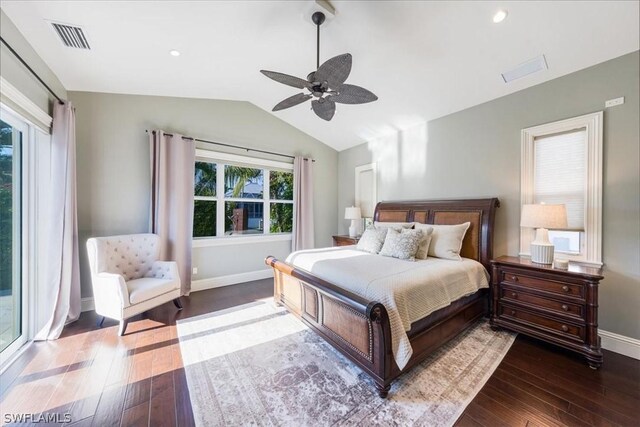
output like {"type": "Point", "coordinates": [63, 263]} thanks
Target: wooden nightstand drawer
{"type": "Point", "coordinates": [345, 240]}
{"type": "Point", "coordinates": [540, 321]}
{"type": "Point", "coordinates": [514, 294]}
{"type": "Point", "coordinates": [546, 285]}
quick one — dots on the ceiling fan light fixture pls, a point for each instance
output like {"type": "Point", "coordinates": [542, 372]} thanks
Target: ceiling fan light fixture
{"type": "Point", "coordinates": [326, 83]}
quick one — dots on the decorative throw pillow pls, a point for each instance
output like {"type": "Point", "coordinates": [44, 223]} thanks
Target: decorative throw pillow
{"type": "Point", "coordinates": [402, 245]}
{"type": "Point", "coordinates": [423, 247]}
{"type": "Point", "coordinates": [446, 240]}
{"type": "Point", "coordinates": [397, 225]}
{"type": "Point", "coordinates": [372, 240]}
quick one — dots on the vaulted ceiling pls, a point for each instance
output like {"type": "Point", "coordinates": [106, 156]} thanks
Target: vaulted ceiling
{"type": "Point", "coordinates": [423, 59]}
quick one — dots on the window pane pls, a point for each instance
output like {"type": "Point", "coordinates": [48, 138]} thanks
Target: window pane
{"type": "Point", "coordinates": [280, 185]}
{"type": "Point", "coordinates": [565, 241]}
{"type": "Point", "coordinates": [205, 179]}
{"type": "Point", "coordinates": [243, 218]}
{"type": "Point", "coordinates": [281, 217]}
{"type": "Point", "coordinates": [204, 218]}
{"type": "Point", "coordinates": [10, 233]}
{"type": "Point", "coordinates": [245, 183]}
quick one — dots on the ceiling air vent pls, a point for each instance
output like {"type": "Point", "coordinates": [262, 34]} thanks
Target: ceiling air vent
{"type": "Point", "coordinates": [71, 36]}
{"type": "Point", "coordinates": [531, 66]}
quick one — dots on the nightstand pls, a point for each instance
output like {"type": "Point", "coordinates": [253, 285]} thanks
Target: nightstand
{"type": "Point", "coordinates": [345, 240]}
{"type": "Point", "coordinates": [556, 306]}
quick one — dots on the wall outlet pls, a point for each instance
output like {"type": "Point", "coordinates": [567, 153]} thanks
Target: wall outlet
{"type": "Point", "coordinates": [614, 102]}
{"type": "Point", "coordinates": [195, 270]}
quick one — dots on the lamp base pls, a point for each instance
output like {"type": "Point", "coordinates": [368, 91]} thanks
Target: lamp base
{"type": "Point", "coordinates": [542, 254]}
{"type": "Point", "coordinates": [353, 229]}
{"type": "Point", "coordinates": [541, 248]}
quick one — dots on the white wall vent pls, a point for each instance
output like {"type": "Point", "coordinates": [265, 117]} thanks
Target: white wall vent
{"type": "Point", "coordinates": [71, 36]}
{"type": "Point", "coordinates": [531, 66]}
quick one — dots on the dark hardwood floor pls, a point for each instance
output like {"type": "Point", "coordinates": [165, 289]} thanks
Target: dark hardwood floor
{"type": "Point", "coordinates": [100, 379]}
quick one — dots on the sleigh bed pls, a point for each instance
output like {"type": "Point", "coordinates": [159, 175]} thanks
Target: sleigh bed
{"type": "Point", "coordinates": [360, 328]}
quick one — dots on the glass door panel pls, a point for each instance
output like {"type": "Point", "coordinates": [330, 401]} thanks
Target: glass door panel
{"type": "Point", "coordinates": [11, 328]}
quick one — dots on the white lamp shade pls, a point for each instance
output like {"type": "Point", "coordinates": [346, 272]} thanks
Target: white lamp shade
{"type": "Point", "coordinates": [544, 216]}
{"type": "Point", "coordinates": [352, 213]}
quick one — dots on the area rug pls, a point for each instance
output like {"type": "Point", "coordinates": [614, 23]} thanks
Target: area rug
{"type": "Point", "coordinates": [256, 364]}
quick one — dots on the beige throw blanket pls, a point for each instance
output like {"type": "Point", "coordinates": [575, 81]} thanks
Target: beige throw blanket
{"type": "Point", "coordinates": [409, 290]}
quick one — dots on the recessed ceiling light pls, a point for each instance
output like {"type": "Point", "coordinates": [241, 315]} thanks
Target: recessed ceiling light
{"type": "Point", "coordinates": [174, 52]}
{"type": "Point", "coordinates": [499, 16]}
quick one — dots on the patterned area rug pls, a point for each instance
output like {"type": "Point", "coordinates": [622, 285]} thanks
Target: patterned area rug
{"type": "Point", "coordinates": [257, 364]}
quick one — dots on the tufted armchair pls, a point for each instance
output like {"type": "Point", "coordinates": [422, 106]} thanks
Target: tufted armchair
{"type": "Point", "coordinates": [128, 279]}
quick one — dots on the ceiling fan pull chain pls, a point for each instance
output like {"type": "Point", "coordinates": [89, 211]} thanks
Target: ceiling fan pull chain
{"type": "Point", "coordinates": [318, 47]}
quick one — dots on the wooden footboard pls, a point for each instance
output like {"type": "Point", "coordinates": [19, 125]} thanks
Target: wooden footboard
{"type": "Point", "coordinates": [358, 328]}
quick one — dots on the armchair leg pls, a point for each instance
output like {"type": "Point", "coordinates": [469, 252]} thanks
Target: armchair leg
{"type": "Point", "coordinates": [100, 321]}
{"type": "Point", "coordinates": [177, 303]}
{"type": "Point", "coordinates": [123, 327]}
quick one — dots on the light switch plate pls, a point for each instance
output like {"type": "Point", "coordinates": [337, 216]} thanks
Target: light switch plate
{"type": "Point", "coordinates": [614, 102]}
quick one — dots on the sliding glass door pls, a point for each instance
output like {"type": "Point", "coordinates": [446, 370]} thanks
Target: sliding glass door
{"type": "Point", "coordinates": [12, 307]}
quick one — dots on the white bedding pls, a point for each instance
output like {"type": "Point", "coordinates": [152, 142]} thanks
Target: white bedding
{"type": "Point", "coordinates": [409, 290]}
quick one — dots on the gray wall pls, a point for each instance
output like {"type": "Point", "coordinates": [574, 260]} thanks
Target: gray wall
{"type": "Point", "coordinates": [12, 70]}
{"type": "Point", "coordinates": [476, 153]}
{"type": "Point", "coordinates": [113, 168]}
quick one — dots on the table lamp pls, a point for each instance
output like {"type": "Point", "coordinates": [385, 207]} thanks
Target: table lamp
{"type": "Point", "coordinates": [543, 217]}
{"type": "Point", "coordinates": [352, 213]}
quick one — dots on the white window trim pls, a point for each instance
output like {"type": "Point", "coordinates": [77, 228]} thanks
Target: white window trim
{"type": "Point", "coordinates": [222, 159]}
{"type": "Point", "coordinates": [16, 102]}
{"type": "Point", "coordinates": [593, 193]}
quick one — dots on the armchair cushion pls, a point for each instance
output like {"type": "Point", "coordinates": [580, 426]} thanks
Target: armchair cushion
{"type": "Point", "coordinates": [144, 289]}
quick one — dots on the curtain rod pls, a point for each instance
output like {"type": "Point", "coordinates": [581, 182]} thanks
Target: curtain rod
{"type": "Point", "coordinates": [31, 70]}
{"type": "Point", "coordinates": [232, 146]}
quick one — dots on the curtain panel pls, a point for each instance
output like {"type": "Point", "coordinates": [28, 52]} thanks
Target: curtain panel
{"type": "Point", "coordinates": [171, 216]}
{"type": "Point", "coordinates": [61, 267]}
{"type": "Point", "coordinates": [303, 202]}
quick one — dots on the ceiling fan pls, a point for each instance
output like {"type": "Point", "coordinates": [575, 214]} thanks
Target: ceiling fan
{"type": "Point", "coordinates": [327, 83]}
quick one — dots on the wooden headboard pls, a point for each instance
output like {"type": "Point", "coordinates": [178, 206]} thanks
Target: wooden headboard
{"type": "Point", "coordinates": [478, 241]}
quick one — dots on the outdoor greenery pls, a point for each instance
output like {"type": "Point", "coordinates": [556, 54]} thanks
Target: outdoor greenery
{"type": "Point", "coordinates": [281, 188]}
{"type": "Point", "coordinates": [6, 208]}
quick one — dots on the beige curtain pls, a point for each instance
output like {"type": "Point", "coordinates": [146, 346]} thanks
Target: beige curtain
{"type": "Point", "coordinates": [62, 271]}
{"type": "Point", "coordinates": [303, 202]}
{"type": "Point", "coordinates": [172, 170]}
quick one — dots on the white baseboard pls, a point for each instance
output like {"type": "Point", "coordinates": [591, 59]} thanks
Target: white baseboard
{"type": "Point", "coordinates": [86, 304]}
{"type": "Point", "coordinates": [620, 344]}
{"type": "Point", "coordinates": [231, 279]}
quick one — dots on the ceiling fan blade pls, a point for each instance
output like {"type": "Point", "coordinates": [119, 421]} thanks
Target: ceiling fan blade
{"type": "Point", "coordinates": [291, 101]}
{"type": "Point", "coordinates": [324, 108]}
{"type": "Point", "coordinates": [352, 94]}
{"type": "Point", "coordinates": [335, 70]}
{"type": "Point", "coordinates": [286, 79]}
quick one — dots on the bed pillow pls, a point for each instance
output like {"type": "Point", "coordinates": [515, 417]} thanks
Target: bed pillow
{"type": "Point", "coordinates": [372, 240]}
{"type": "Point", "coordinates": [425, 242]}
{"type": "Point", "coordinates": [397, 225]}
{"type": "Point", "coordinates": [446, 240]}
{"type": "Point", "coordinates": [401, 244]}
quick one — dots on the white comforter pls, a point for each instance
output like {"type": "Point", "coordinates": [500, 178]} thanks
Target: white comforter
{"type": "Point", "coordinates": [409, 290]}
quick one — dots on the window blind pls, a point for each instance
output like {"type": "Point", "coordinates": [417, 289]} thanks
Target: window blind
{"type": "Point", "coordinates": [560, 173]}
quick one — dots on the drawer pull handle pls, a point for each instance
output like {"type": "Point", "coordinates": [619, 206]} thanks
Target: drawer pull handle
{"type": "Point", "coordinates": [565, 307]}
{"type": "Point", "coordinates": [514, 278]}
{"type": "Point", "coordinates": [513, 312]}
{"type": "Point", "coordinates": [514, 295]}
{"type": "Point", "coordinates": [565, 328]}
{"type": "Point", "coordinates": [565, 288]}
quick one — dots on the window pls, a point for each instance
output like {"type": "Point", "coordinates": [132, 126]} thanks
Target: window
{"type": "Point", "coordinates": [562, 164]}
{"type": "Point", "coordinates": [239, 196]}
